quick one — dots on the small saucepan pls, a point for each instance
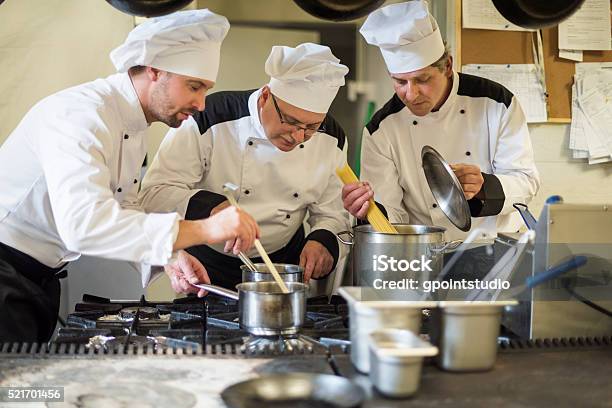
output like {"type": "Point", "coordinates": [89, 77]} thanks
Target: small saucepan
{"type": "Point", "coordinates": [264, 310]}
{"type": "Point", "coordinates": [288, 272]}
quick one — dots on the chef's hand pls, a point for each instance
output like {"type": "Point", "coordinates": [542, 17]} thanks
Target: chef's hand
{"type": "Point", "coordinates": [229, 244]}
{"type": "Point", "coordinates": [355, 198]}
{"type": "Point", "coordinates": [228, 223]}
{"type": "Point", "coordinates": [316, 260]}
{"type": "Point", "coordinates": [185, 270]}
{"type": "Point", "coordinates": [470, 177]}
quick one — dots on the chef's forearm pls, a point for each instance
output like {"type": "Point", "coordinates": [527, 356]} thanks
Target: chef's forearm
{"type": "Point", "coordinates": [191, 233]}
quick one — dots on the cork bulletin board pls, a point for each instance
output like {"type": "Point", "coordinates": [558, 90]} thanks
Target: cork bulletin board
{"type": "Point", "coordinates": [514, 47]}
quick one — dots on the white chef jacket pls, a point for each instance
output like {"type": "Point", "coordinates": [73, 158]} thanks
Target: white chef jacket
{"type": "Point", "coordinates": [480, 123]}
{"type": "Point", "coordinates": [69, 176]}
{"type": "Point", "coordinates": [229, 145]}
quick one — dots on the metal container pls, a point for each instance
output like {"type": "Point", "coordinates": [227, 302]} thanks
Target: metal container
{"type": "Point", "coordinates": [413, 242]}
{"type": "Point", "coordinates": [396, 357]}
{"type": "Point", "coordinates": [466, 334]}
{"type": "Point", "coordinates": [367, 315]}
{"type": "Point", "coordinates": [288, 272]}
{"type": "Point", "coordinates": [264, 310]}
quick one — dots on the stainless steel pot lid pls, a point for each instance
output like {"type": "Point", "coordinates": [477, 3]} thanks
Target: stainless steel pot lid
{"type": "Point", "coordinates": [446, 189]}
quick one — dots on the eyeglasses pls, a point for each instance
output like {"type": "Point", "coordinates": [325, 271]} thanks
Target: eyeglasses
{"type": "Point", "coordinates": [308, 130]}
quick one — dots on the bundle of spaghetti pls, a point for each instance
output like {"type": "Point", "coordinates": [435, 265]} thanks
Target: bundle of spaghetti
{"type": "Point", "coordinates": [376, 218]}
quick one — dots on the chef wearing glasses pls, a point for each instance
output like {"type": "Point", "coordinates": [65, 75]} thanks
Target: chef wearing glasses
{"type": "Point", "coordinates": [280, 146]}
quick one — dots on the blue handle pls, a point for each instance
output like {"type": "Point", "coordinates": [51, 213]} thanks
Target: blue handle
{"type": "Point", "coordinates": [529, 219]}
{"type": "Point", "coordinates": [554, 199]}
{"type": "Point", "coordinates": [555, 271]}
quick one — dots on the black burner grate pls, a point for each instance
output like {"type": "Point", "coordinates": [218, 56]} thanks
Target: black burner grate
{"type": "Point", "coordinates": [74, 349]}
{"type": "Point", "coordinates": [556, 343]}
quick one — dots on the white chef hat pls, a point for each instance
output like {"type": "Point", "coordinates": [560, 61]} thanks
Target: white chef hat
{"type": "Point", "coordinates": [407, 35]}
{"type": "Point", "coordinates": [185, 43]}
{"type": "Point", "coordinates": [307, 76]}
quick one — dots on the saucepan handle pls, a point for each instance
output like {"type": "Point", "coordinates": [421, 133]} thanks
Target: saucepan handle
{"type": "Point", "coordinates": [218, 290]}
{"type": "Point", "coordinates": [345, 242]}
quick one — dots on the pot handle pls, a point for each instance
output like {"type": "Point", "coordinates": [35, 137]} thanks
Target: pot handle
{"type": "Point", "coordinates": [448, 246]}
{"type": "Point", "coordinates": [349, 233]}
{"type": "Point", "coordinates": [218, 290]}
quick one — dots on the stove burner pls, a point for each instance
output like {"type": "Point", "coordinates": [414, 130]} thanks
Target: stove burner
{"type": "Point", "coordinates": [279, 344]}
{"type": "Point", "coordinates": [195, 324]}
{"type": "Point", "coordinates": [106, 342]}
{"type": "Point", "coordinates": [144, 313]}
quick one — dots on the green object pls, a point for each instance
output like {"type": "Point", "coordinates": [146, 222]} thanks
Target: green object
{"type": "Point", "coordinates": [371, 109]}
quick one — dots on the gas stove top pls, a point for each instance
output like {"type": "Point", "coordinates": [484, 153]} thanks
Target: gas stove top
{"type": "Point", "coordinates": [190, 323]}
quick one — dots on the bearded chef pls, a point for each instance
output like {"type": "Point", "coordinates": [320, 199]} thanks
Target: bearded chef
{"type": "Point", "coordinates": [69, 174]}
{"type": "Point", "coordinates": [476, 124]}
{"type": "Point", "coordinates": [279, 145]}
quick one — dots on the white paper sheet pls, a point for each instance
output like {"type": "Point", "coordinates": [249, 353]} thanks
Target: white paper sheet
{"type": "Point", "coordinates": [591, 129]}
{"type": "Point", "coordinates": [572, 55]}
{"type": "Point", "coordinates": [585, 67]}
{"type": "Point", "coordinates": [578, 142]}
{"type": "Point", "coordinates": [483, 14]}
{"type": "Point", "coordinates": [596, 103]}
{"type": "Point", "coordinates": [588, 28]}
{"type": "Point", "coordinates": [521, 80]}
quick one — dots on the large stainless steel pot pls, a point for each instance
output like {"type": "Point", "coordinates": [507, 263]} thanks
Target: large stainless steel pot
{"type": "Point", "coordinates": [413, 242]}
{"type": "Point", "coordinates": [264, 310]}
{"type": "Point", "coordinates": [288, 272]}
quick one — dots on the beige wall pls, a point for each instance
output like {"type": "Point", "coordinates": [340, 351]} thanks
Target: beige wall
{"type": "Point", "coordinates": [574, 180]}
{"type": "Point", "coordinates": [48, 45]}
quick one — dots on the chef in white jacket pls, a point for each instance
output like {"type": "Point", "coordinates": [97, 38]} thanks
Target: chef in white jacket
{"type": "Point", "coordinates": [69, 173]}
{"type": "Point", "coordinates": [280, 147]}
{"type": "Point", "coordinates": [477, 125]}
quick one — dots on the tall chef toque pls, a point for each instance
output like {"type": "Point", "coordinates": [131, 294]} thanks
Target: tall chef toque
{"type": "Point", "coordinates": [407, 35]}
{"type": "Point", "coordinates": [307, 76]}
{"type": "Point", "coordinates": [185, 43]}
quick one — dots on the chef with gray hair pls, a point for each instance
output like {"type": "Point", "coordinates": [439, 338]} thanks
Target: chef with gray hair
{"type": "Point", "coordinates": [69, 174]}
{"type": "Point", "coordinates": [280, 146]}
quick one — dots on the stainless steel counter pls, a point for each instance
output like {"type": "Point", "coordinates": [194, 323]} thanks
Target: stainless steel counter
{"type": "Point", "coordinates": [525, 375]}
